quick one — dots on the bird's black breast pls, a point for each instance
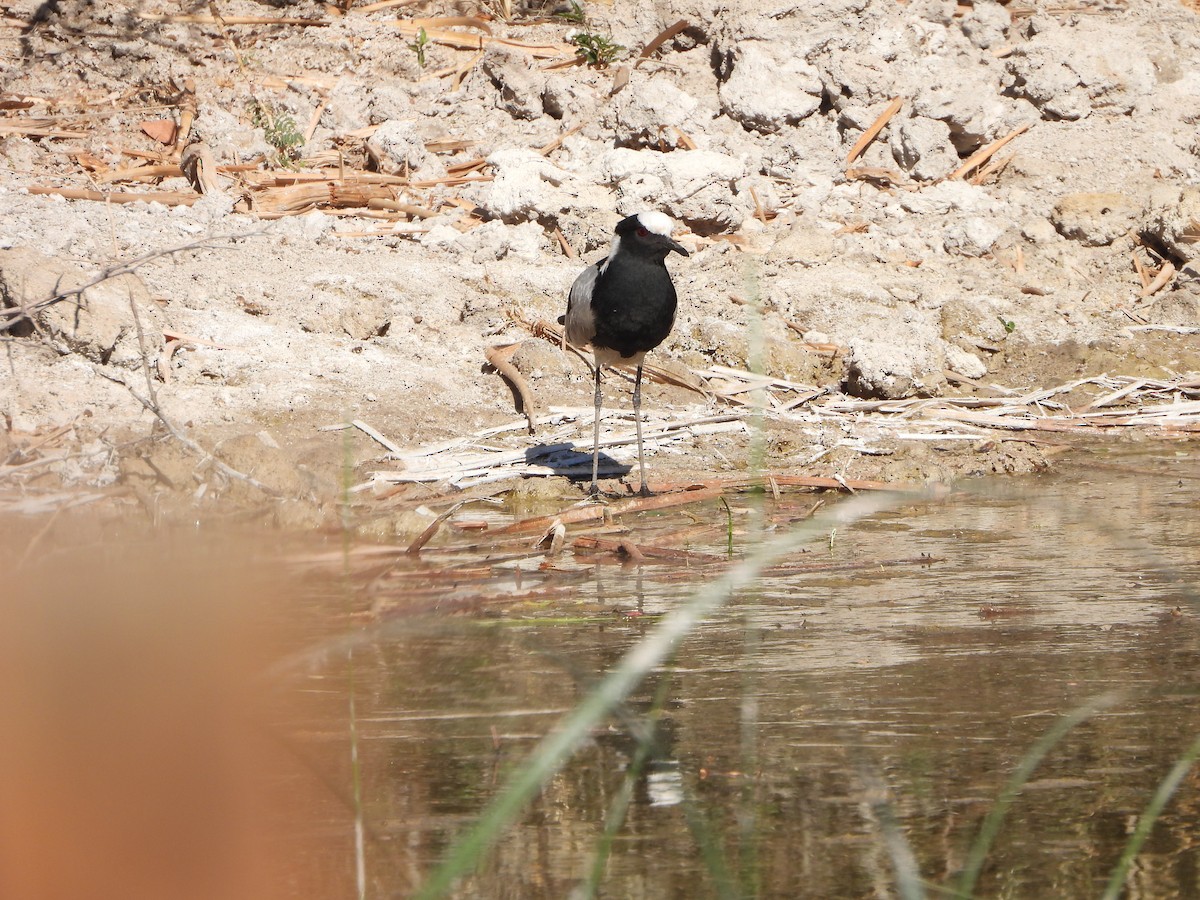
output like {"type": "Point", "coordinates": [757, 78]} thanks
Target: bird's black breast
{"type": "Point", "coordinates": [634, 305]}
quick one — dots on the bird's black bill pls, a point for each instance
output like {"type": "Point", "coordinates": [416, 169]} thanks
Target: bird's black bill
{"type": "Point", "coordinates": [677, 247]}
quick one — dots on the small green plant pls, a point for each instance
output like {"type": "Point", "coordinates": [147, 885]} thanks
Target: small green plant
{"type": "Point", "coordinates": [1009, 325]}
{"type": "Point", "coordinates": [595, 49]}
{"type": "Point", "coordinates": [418, 46]}
{"type": "Point", "coordinates": [728, 527]}
{"type": "Point", "coordinates": [278, 131]}
{"type": "Point", "coordinates": [574, 14]}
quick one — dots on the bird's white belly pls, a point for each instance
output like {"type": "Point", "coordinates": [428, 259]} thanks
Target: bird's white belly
{"type": "Point", "coordinates": [606, 356]}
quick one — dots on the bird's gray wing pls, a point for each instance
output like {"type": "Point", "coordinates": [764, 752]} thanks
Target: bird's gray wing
{"type": "Point", "coordinates": [580, 320]}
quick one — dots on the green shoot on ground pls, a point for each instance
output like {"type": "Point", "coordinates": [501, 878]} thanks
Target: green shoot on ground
{"type": "Point", "coordinates": [595, 49]}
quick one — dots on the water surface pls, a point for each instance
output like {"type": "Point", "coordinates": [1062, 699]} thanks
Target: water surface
{"type": "Point", "coordinates": [811, 709]}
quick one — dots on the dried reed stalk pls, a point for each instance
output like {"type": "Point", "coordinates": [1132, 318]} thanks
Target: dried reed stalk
{"type": "Point", "coordinates": [200, 19]}
{"type": "Point", "coordinates": [567, 249]}
{"type": "Point", "coordinates": [995, 167]}
{"type": "Point", "coordinates": [871, 133]}
{"type": "Point", "coordinates": [301, 198]}
{"type": "Point", "coordinates": [1143, 275]}
{"type": "Point", "coordinates": [38, 128]}
{"type": "Point", "coordinates": [200, 168]}
{"type": "Point", "coordinates": [166, 198]}
{"type": "Point", "coordinates": [409, 209]}
{"type": "Point", "coordinates": [979, 157]}
{"type": "Point", "coordinates": [140, 173]}
{"type": "Point", "coordinates": [187, 116]}
{"type": "Point", "coordinates": [595, 543]}
{"type": "Point", "coordinates": [1165, 273]}
{"type": "Point", "coordinates": [663, 36]}
{"type": "Point", "coordinates": [385, 4]}
{"type": "Point", "coordinates": [595, 511]}
{"type": "Point", "coordinates": [500, 358]}
{"type": "Point", "coordinates": [451, 22]}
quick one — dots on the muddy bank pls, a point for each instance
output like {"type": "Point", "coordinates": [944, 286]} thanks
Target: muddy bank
{"type": "Point", "coordinates": [891, 272]}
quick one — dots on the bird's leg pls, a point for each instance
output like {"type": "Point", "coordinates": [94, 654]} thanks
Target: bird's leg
{"type": "Point", "coordinates": [637, 417]}
{"type": "Point", "coordinates": [595, 491]}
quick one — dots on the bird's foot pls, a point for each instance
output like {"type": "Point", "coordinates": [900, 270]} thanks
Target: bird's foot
{"type": "Point", "coordinates": [645, 491]}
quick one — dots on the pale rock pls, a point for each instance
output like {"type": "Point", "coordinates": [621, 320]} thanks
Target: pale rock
{"type": "Point", "coordinates": [563, 94]}
{"type": "Point", "coordinates": [973, 236]}
{"type": "Point", "coordinates": [949, 196]}
{"type": "Point", "coordinates": [314, 224]}
{"type": "Point", "coordinates": [1039, 231]}
{"type": "Point", "coordinates": [230, 137]}
{"type": "Point", "coordinates": [397, 148]}
{"type": "Point", "coordinates": [964, 363]}
{"type": "Point", "coordinates": [387, 101]}
{"type": "Point", "coordinates": [1175, 220]}
{"type": "Point", "coordinates": [889, 370]}
{"type": "Point", "coordinates": [211, 208]}
{"type": "Point", "coordinates": [805, 244]}
{"type": "Point", "coordinates": [523, 185]}
{"type": "Point", "coordinates": [495, 240]}
{"type": "Point", "coordinates": [986, 25]}
{"type": "Point", "coordinates": [923, 148]}
{"type": "Point", "coordinates": [308, 227]}
{"type": "Point", "coordinates": [647, 109]}
{"type": "Point", "coordinates": [518, 82]}
{"type": "Point", "coordinates": [769, 86]}
{"type": "Point", "coordinates": [441, 235]}
{"type": "Point", "coordinates": [976, 113]}
{"type": "Point", "coordinates": [696, 186]}
{"type": "Point", "coordinates": [348, 107]}
{"type": "Point", "coordinates": [344, 305]}
{"type": "Point", "coordinates": [101, 324]}
{"type": "Point", "coordinates": [855, 117]}
{"type": "Point", "coordinates": [964, 91]}
{"type": "Point", "coordinates": [1069, 71]}
{"type": "Point", "coordinates": [856, 77]}
{"type": "Point", "coordinates": [1095, 219]}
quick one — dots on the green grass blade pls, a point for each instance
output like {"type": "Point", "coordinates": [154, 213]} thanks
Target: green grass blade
{"type": "Point", "coordinates": [710, 852]}
{"type": "Point", "coordinates": [904, 862]}
{"type": "Point", "coordinates": [1154, 808]}
{"type": "Point", "coordinates": [750, 795]}
{"type": "Point", "coordinates": [557, 747]}
{"type": "Point", "coordinates": [1030, 761]}
{"type": "Point", "coordinates": [620, 805]}
{"type": "Point", "coordinates": [617, 811]}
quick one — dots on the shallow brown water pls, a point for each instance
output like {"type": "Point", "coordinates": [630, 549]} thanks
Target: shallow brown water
{"type": "Point", "coordinates": [810, 708]}
{"type": "Point", "coordinates": [904, 683]}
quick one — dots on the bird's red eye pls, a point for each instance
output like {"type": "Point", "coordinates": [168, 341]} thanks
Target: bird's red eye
{"type": "Point", "coordinates": [642, 232]}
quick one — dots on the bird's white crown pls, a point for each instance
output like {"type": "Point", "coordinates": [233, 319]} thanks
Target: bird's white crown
{"type": "Point", "coordinates": [656, 222]}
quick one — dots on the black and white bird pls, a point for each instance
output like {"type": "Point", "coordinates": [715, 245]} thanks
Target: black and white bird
{"type": "Point", "coordinates": [624, 306]}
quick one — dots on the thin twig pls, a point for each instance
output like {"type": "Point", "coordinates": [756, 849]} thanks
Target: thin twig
{"type": "Point", "coordinates": [980, 156]}
{"type": "Point", "coordinates": [663, 36]}
{"type": "Point", "coordinates": [871, 133]}
{"type": "Point", "coordinates": [173, 429]}
{"type": "Point", "coordinates": [128, 267]}
{"type": "Point", "coordinates": [376, 436]}
{"type": "Point", "coordinates": [166, 198]}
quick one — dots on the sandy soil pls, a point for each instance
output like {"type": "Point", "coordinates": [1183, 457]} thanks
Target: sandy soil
{"type": "Point", "coordinates": [262, 332]}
